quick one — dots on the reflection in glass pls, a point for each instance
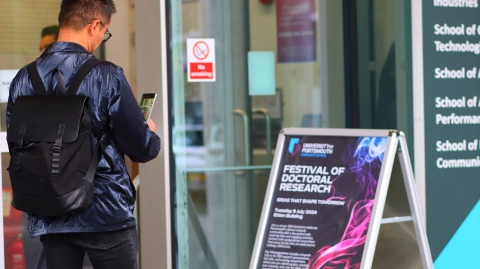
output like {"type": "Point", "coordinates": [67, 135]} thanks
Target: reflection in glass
{"type": "Point", "coordinates": [221, 126]}
{"type": "Point", "coordinates": [20, 29]}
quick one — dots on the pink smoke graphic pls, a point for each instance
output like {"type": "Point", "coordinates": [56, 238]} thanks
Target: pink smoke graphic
{"type": "Point", "coordinates": [351, 243]}
{"type": "Point", "coordinates": [365, 164]}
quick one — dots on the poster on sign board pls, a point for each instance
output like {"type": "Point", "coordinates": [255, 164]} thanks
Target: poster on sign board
{"type": "Point", "coordinates": [321, 202]}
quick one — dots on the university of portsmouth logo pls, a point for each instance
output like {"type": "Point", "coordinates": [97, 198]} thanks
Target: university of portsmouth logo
{"type": "Point", "coordinates": [294, 147]}
{"type": "Point", "coordinates": [318, 150]}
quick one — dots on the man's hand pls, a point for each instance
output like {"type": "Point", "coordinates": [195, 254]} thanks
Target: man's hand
{"type": "Point", "coordinates": [151, 125]}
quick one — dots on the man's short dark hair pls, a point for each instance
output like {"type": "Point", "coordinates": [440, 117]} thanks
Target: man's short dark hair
{"type": "Point", "coordinates": [50, 30]}
{"type": "Point", "coordinates": [77, 14]}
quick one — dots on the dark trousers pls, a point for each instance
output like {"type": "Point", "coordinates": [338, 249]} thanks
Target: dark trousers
{"type": "Point", "coordinates": [106, 250]}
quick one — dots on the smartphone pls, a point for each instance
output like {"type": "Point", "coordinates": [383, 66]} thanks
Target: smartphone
{"type": "Point", "coordinates": [146, 104]}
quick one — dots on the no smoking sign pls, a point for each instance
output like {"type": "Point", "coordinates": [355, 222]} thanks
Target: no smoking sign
{"type": "Point", "coordinates": [201, 60]}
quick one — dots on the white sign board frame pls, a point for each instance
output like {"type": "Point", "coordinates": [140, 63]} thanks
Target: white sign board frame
{"type": "Point", "coordinates": [395, 146]}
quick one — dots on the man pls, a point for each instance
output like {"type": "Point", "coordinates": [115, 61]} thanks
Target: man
{"type": "Point", "coordinates": [106, 230]}
{"type": "Point", "coordinates": [49, 35]}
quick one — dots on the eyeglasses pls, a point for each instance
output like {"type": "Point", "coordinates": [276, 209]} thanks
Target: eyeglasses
{"type": "Point", "coordinates": [107, 34]}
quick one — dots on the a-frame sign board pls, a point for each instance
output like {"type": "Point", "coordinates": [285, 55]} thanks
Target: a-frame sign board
{"type": "Point", "coordinates": [326, 196]}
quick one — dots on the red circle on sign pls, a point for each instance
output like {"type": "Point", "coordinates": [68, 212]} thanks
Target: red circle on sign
{"type": "Point", "coordinates": [201, 50]}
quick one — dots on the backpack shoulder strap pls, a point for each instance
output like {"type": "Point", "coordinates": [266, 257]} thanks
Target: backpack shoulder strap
{"type": "Point", "coordinates": [82, 72]}
{"type": "Point", "coordinates": [36, 80]}
{"type": "Point", "coordinates": [92, 168]}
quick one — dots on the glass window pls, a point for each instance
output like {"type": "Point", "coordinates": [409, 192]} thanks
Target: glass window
{"type": "Point", "coordinates": [21, 24]}
{"type": "Point", "coordinates": [336, 64]}
{"type": "Point", "coordinates": [21, 27]}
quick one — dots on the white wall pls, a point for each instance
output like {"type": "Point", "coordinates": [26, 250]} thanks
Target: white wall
{"type": "Point", "coordinates": [119, 49]}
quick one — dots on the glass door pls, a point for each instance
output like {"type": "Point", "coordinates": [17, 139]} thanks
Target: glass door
{"type": "Point", "coordinates": [278, 64]}
{"type": "Point", "coordinates": [225, 131]}
{"type": "Point", "coordinates": [26, 27]}
{"type": "Point", "coordinates": [21, 26]}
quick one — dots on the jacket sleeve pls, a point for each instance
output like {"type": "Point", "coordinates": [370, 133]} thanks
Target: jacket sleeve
{"type": "Point", "coordinates": [18, 83]}
{"type": "Point", "coordinates": [128, 127]}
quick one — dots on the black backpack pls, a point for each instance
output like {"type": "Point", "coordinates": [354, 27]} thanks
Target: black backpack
{"type": "Point", "coordinates": [51, 167]}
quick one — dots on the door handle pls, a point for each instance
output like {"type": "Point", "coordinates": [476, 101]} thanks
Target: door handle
{"type": "Point", "coordinates": [264, 112]}
{"type": "Point", "coordinates": [246, 128]}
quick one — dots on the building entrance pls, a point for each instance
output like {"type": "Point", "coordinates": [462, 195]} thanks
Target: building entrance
{"type": "Point", "coordinates": [302, 63]}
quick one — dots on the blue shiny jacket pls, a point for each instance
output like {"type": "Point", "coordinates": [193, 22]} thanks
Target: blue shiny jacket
{"type": "Point", "coordinates": [112, 106]}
